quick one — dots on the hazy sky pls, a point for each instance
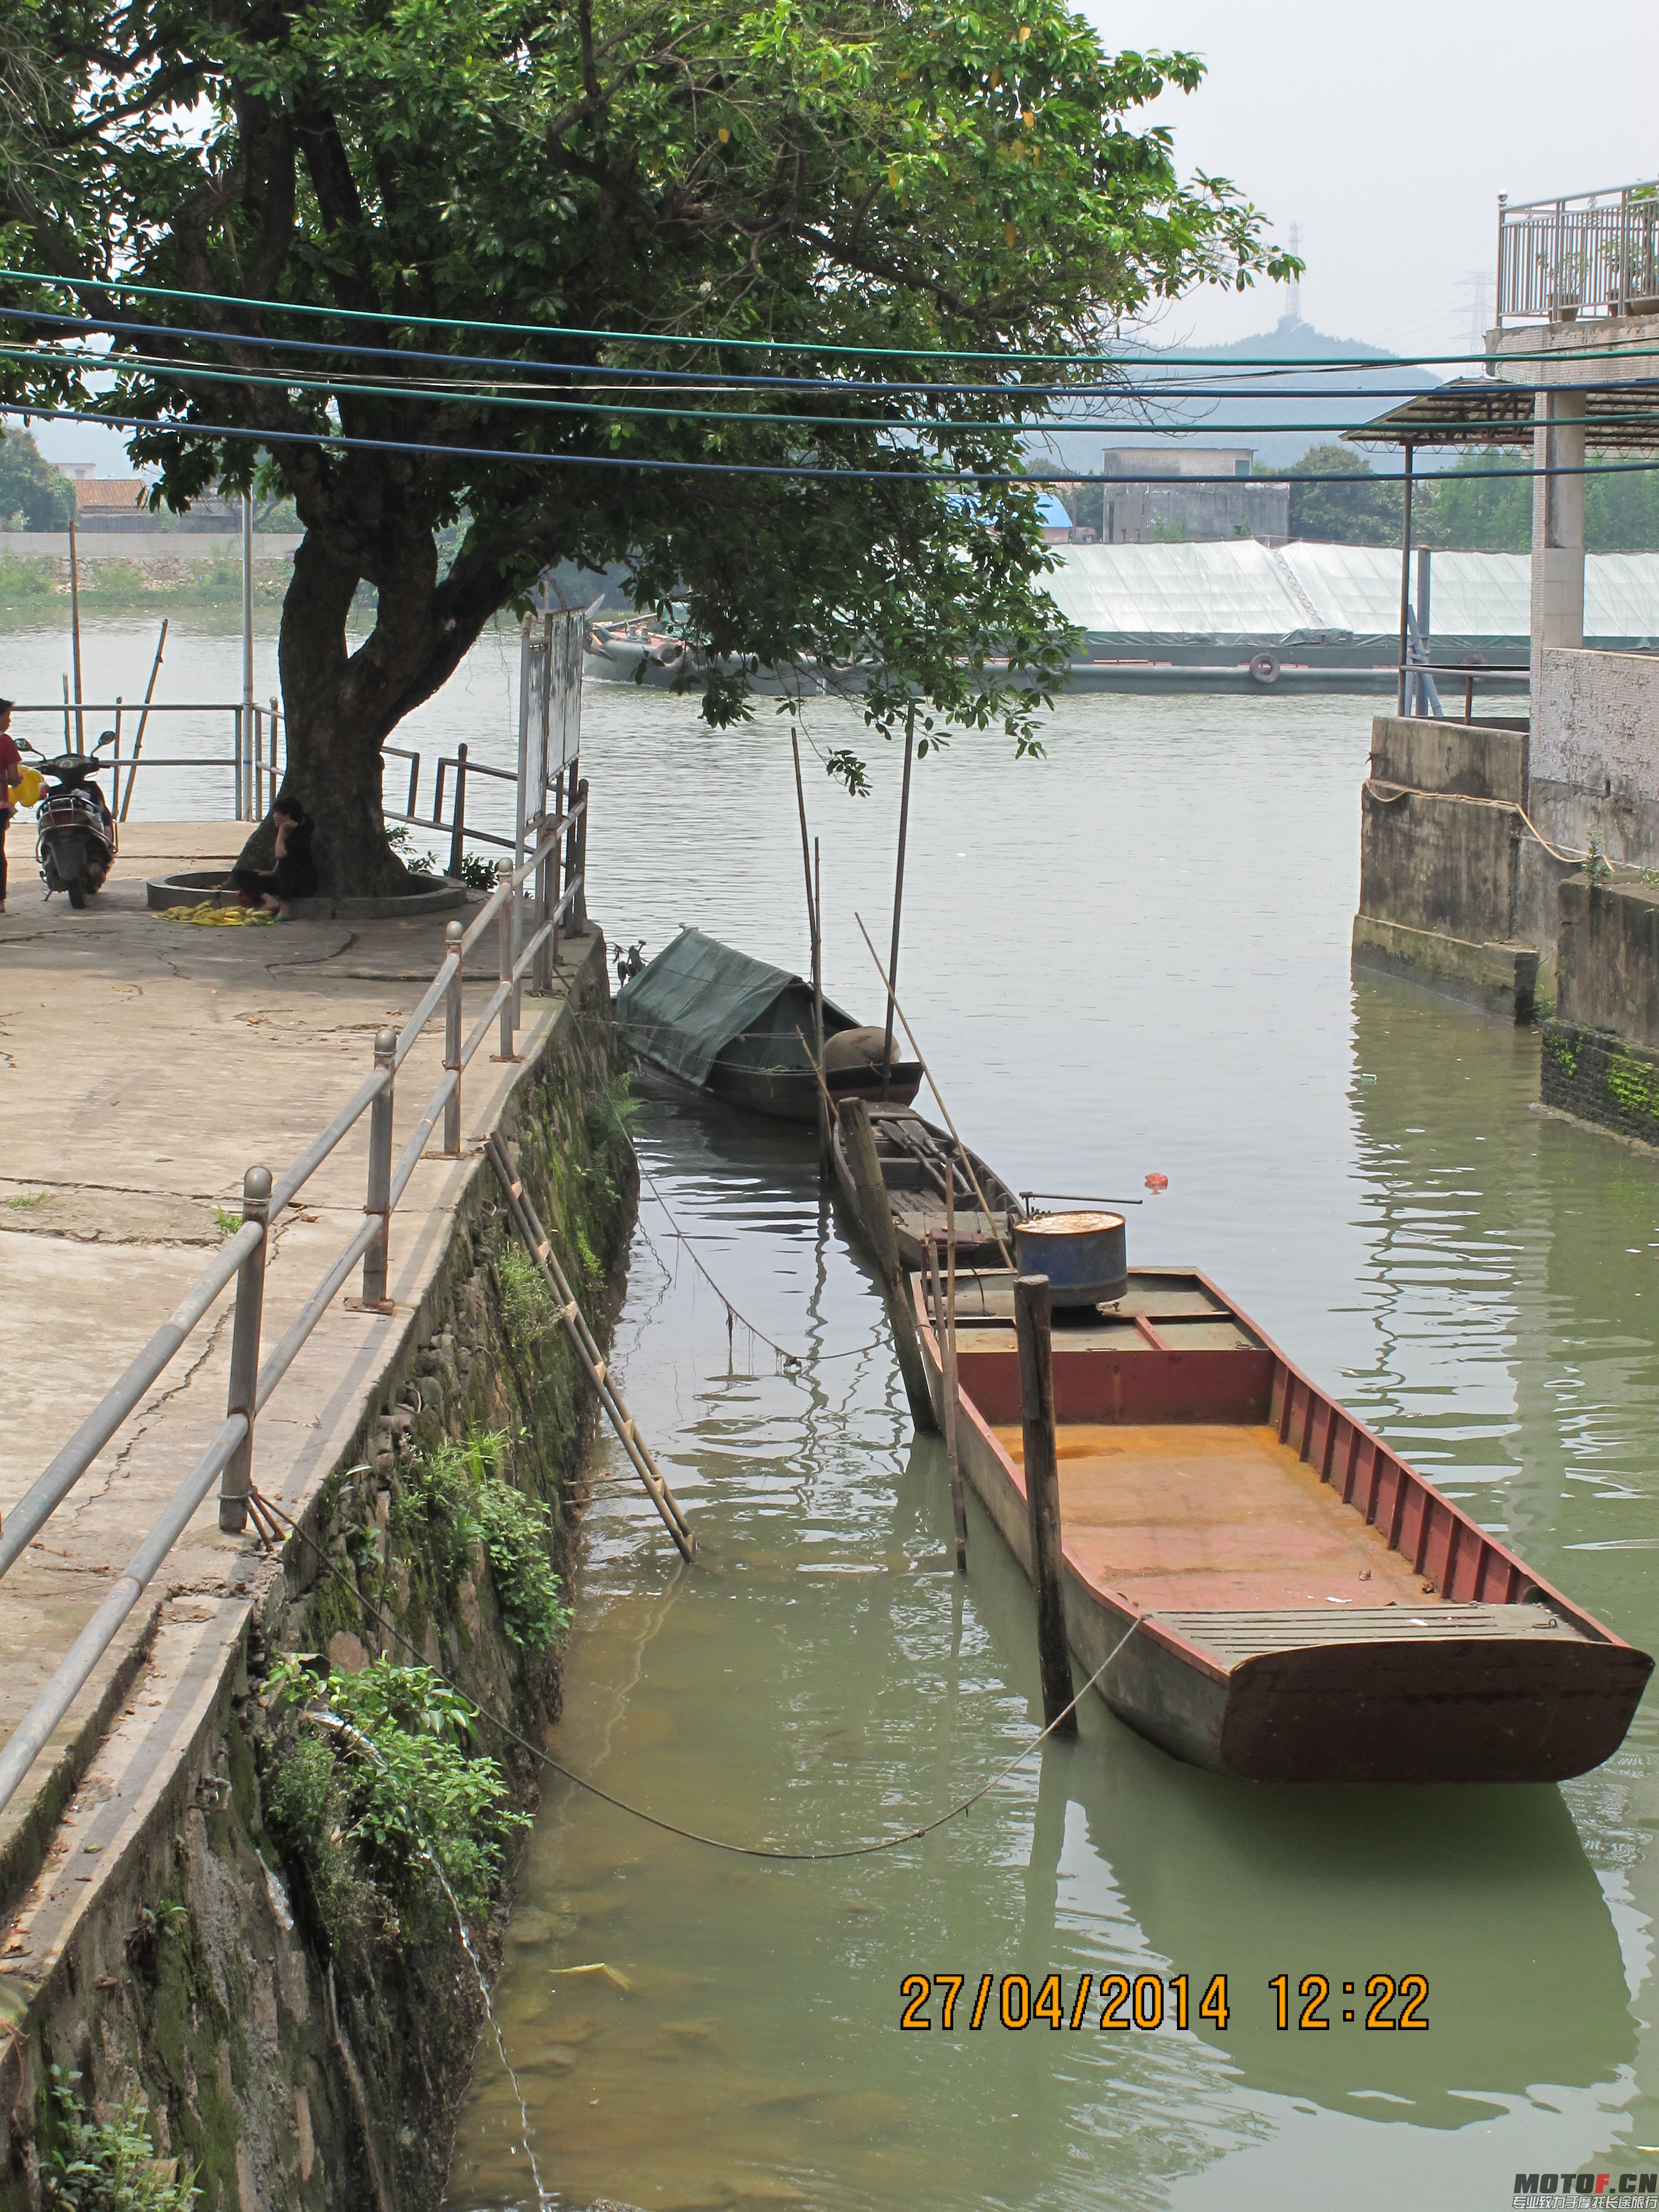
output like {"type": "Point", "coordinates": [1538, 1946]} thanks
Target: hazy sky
{"type": "Point", "coordinates": [1389, 133]}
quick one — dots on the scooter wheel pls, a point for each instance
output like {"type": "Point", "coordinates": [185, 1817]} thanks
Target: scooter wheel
{"type": "Point", "coordinates": [77, 895]}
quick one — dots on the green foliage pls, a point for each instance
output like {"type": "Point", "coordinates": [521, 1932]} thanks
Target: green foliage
{"type": "Point", "coordinates": [478, 874]}
{"type": "Point", "coordinates": [1634, 1086]}
{"type": "Point", "coordinates": [526, 1303]}
{"type": "Point", "coordinates": [110, 2166]}
{"type": "Point", "coordinates": [1490, 514]}
{"type": "Point", "coordinates": [22, 578]}
{"type": "Point", "coordinates": [309, 1810]}
{"type": "Point", "coordinates": [1366, 512]}
{"type": "Point", "coordinates": [456, 1499]}
{"type": "Point", "coordinates": [225, 1221]}
{"type": "Point", "coordinates": [517, 1530]}
{"type": "Point", "coordinates": [413, 1791]}
{"type": "Point", "coordinates": [27, 1200]}
{"type": "Point", "coordinates": [33, 496]}
{"type": "Point", "coordinates": [916, 175]}
{"type": "Point", "coordinates": [418, 862]}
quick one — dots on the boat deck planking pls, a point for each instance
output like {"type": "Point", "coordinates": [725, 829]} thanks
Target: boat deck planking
{"type": "Point", "coordinates": [1202, 1516]}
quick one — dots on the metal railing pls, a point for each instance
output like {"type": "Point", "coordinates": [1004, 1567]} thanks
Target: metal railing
{"type": "Point", "coordinates": [228, 1459]}
{"type": "Point", "coordinates": [251, 759]}
{"type": "Point", "coordinates": [1586, 253]}
{"type": "Point", "coordinates": [459, 827]}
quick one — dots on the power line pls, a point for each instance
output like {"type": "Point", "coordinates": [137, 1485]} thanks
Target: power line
{"type": "Point", "coordinates": [452, 393]}
{"type": "Point", "coordinates": [389, 317]}
{"type": "Point", "coordinates": [1169, 389]}
{"type": "Point", "coordinates": [656, 464]}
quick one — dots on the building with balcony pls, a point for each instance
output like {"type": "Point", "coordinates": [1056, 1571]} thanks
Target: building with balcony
{"type": "Point", "coordinates": [1506, 860]}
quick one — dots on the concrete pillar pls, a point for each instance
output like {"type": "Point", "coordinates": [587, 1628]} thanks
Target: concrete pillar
{"type": "Point", "coordinates": [1558, 529]}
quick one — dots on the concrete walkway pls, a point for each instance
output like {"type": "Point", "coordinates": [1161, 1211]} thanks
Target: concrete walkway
{"type": "Point", "coordinates": [144, 1064]}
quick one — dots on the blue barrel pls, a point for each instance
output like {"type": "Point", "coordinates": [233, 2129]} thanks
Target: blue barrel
{"type": "Point", "coordinates": [1085, 1255]}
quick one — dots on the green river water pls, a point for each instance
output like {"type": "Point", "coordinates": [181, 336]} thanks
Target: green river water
{"type": "Point", "coordinates": [1131, 956]}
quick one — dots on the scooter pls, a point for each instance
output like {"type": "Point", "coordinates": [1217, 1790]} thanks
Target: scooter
{"type": "Point", "coordinates": [74, 837]}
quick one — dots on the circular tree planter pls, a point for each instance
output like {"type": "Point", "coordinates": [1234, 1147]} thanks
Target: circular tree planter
{"type": "Point", "coordinates": [195, 886]}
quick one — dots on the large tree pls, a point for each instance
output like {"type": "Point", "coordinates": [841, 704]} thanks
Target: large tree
{"type": "Point", "coordinates": [823, 175]}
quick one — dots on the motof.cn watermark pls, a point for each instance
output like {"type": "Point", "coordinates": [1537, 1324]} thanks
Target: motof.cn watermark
{"type": "Point", "coordinates": [1609, 2192]}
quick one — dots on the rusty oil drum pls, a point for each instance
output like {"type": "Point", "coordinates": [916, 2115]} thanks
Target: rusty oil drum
{"type": "Point", "coordinates": [1085, 1255]}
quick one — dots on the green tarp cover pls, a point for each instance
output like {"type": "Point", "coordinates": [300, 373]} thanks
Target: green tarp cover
{"type": "Point", "coordinates": [698, 995]}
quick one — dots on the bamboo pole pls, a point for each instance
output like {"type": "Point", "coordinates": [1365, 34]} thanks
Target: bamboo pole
{"type": "Point", "coordinates": [824, 1119]}
{"type": "Point", "coordinates": [984, 1203]}
{"type": "Point", "coordinates": [898, 903]}
{"type": "Point", "coordinates": [149, 693]}
{"type": "Point", "coordinates": [958, 1510]}
{"type": "Point", "coordinates": [1037, 1407]}
{"type": "Point", "coordinates": [814, 937]}
{"type": "Point", "coordinates": [862, 1160]}
{"type": "Point", "coordinates": [75, 634]}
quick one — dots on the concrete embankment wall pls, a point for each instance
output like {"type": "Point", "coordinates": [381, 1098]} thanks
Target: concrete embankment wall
{"type": "Point", "coordinates": [1453, 891]}
{"type": "Point", "coordinates": [296, 2051]}
{"type": "Point", "coordinates": [1600, 1058]}
{"type": "Point", "coordinates": [1595, 762]}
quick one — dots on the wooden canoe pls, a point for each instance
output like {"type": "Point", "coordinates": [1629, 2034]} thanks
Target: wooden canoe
{"type": "Point", "coordinates": [915, 1157]}
{"type": "Point", "coordinates": [1305, 1606]}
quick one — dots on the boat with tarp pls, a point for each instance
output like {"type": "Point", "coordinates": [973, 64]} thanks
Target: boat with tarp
{"type": "Point", "coordinates": [742, 1029]}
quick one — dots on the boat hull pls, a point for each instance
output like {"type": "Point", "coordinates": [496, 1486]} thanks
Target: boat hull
{"type": "Point", "coordinates": [1491, 1676]}
{"type": "Point", "coordinates": [976, 1241]}
{"type": "Point", "coordinates": [791, 1094]}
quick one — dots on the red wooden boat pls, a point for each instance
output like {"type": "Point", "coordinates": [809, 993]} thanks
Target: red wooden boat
{"type": "Point", "coordinates": [1305, 1606]}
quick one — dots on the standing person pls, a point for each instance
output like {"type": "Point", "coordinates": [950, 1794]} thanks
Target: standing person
{"type": "Point", "coordinates": [11, 775]}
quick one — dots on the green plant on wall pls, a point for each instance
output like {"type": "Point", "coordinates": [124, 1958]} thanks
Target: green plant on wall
{"type": "Point", "coordinates": [457, 1497]}
{"type": "Point", "coordinates": [1635, 1085]}
{"type": "Point", "coordinates": [406, 1790]}
{"type": "Point", "coordinates": [526, 1303]}
{"type": "Point", "coordinates": [110, 2166]}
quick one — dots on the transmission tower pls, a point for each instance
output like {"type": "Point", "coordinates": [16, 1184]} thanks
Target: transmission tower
{"type": "Point", "coordinates": [1475, 284]}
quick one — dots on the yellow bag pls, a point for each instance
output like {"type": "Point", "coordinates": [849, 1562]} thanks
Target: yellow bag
{"type": "Point", "coordinates": [26, 793]}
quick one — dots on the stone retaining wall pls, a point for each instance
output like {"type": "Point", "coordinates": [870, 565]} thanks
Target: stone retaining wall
{"type": "Point", "coordinates": [202, 1987]}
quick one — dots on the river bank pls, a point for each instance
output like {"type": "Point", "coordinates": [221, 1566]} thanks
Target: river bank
{"type": "Point", "coordinates": [206, 1922]}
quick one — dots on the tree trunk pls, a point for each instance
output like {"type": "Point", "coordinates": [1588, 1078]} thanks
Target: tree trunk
{"type": "Point", "coordinates": [334, 733]}
{"type": "Point", "coordinates": [339, 706]}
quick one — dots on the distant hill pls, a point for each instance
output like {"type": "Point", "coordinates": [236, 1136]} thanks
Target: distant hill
{"type": "Point", "coordinates": [1343, 396]}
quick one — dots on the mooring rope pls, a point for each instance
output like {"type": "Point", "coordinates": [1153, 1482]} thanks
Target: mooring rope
{"type": "Point", "coordinates": [792, 1360]}
{"type": "Point", "coordinates": [264, 1507]}
{"type": "Point", "coordinates": [1390, 794]}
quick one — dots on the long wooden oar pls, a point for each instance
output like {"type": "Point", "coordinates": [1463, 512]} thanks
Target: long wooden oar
{"type": "Point", "coordinates": [967, 1161]}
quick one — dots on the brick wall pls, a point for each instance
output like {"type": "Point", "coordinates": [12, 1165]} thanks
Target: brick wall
{"type": "Point", "coordinates": [1601, 1079]}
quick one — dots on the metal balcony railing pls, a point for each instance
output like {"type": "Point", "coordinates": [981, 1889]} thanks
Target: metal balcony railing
{"type": "Point", "coordinates": [1585, 254]}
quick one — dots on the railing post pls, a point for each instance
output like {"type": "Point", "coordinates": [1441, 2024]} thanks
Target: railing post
{"type": "Point", "coordinates": [547, 894]}
{"type": "Point", "coordinates": [237, 714]}
{"type": "Point", "coordinates": [457, 849]}
{"type": "Point", "coordinates": [578, 905]}
{"type": "Point", "coordinates": [238, 1476]}
{"type": "Point", "coordinates": [256, 812]}
{"type": "Point", "coordinates": [378, 1199]}
{"type": "Point", "coordinates": [504, 944]}
{"type": "Point", "coordinates": [453, 936]}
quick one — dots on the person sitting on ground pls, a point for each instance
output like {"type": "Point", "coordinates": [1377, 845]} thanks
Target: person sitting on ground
{"type": "Point", "coordinates": [295, 875]}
